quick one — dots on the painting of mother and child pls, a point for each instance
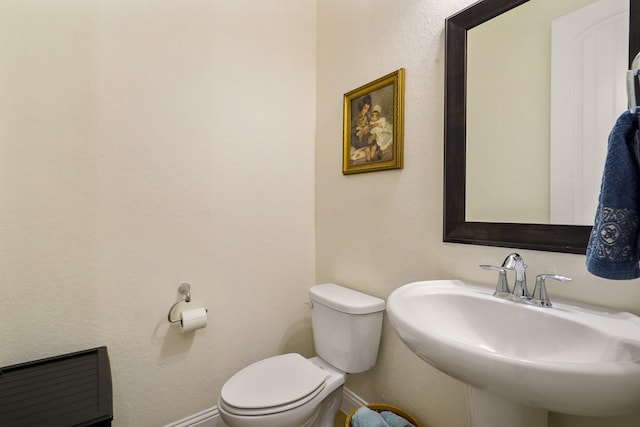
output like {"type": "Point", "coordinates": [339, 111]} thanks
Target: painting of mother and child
{"type": "Point", "coordinates": [372, 140]}
{"type": "Point", "coordinates": [372, 133]}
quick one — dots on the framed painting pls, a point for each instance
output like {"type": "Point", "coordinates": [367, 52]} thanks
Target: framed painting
{"type": "Point", "coordinates": [374, 125]}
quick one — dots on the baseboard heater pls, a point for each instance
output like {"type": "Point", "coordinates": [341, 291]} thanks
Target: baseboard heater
{"type": "Point", "coordinates": [62, 391]}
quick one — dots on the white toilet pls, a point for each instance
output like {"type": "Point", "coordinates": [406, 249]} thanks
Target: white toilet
{"type": "Point", "coordinates": [291, 391]}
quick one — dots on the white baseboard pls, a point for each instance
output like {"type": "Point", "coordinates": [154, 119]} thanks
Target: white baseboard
{"type": "Point", "coordinates": [211, 417]}
{"type": "Point", "coordinates": [350, 401]}
{"type": "Point", "coordinates": [207, 418]}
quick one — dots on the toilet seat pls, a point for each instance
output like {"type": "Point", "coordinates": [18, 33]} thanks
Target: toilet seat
{"type": "Point", "coordinates": [272, 385]}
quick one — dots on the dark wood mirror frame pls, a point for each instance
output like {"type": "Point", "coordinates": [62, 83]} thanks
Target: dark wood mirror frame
{"type": "Point", "coordinates": [544, 237]}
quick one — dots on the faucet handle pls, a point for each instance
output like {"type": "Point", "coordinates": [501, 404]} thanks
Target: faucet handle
{"type": "Point", "coordinates": [540, 296]}
{"type": "Point", "coordinates": [502, 287]}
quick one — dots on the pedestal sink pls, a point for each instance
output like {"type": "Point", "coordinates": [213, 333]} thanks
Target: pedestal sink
{"type": "Point", "coordinates": [519, 360]}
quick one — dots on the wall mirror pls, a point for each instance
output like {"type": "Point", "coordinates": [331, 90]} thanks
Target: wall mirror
{"type": "Point", "coordinates": [510, 135]}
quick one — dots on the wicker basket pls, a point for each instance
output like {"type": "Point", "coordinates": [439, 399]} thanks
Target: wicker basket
{"type": "Point", "coordinates": [379, 407]}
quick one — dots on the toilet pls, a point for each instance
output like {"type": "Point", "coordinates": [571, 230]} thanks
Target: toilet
{"type": "Point", "coordinates": [291, 391]}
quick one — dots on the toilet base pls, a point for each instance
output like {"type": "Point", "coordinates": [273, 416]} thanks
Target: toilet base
{"type": "Point", "coordinates": [326, 414]}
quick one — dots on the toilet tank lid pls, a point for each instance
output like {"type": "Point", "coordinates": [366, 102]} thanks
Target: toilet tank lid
{"type": "Point", "coordinates": [345, 300]}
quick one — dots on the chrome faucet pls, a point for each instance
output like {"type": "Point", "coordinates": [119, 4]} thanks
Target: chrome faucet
{"type": "Point", "coordinates": [520, 293]}
{"type": "Point", "coordinates": [515, 262]}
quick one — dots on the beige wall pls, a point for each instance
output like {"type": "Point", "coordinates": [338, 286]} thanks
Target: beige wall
{"type": "Point", "coordinates": [143, 143]}
{"type": "Point", "coordinates": [380, 230]}
{"type": "Point", "coordinates": [146, 143]}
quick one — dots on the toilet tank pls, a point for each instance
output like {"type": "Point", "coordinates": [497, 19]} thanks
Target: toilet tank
{"type": "Point", "coordinates": [346, 326]}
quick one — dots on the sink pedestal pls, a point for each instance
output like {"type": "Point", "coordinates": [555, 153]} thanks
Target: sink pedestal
{"type": "Point", "coordinates": [489, 410]}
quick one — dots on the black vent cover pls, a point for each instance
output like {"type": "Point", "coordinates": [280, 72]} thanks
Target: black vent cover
{"type": "Point", "coordinates": [63, 391]}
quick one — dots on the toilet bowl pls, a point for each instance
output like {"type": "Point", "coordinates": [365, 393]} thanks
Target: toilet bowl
{"type": "Point", "coordinates": [295, 393]}
{"type": "Point", "coordinates": [291, 391]}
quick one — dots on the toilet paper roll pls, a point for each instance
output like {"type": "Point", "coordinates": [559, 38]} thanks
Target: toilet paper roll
{"type": "Point", "coordinates": [190, 320]}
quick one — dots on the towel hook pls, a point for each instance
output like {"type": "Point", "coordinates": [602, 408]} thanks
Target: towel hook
{"type": "Point", "coordinates": [631, 83]}
{"type": "Point", "coordinates": [184, 289]}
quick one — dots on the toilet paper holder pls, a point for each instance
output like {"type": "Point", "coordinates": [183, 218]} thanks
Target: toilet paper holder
{"type": "Point", "coordinates": [184, 289]}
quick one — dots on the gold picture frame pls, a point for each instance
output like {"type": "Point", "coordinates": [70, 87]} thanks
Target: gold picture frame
{"type": "Point", "coordinates": [374, 125]}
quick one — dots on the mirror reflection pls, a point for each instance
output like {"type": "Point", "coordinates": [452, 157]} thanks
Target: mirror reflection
{"type": "Point", "coordinates": [540, 105]}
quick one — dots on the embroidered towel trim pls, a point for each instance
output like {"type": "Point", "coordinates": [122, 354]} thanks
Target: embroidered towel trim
{"type": "Point", "coordinates": [613, 249]}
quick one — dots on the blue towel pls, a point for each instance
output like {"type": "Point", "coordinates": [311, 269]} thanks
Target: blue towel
{"type": "Point", "coordinates": [613, 251]}
{"type": "Point", "coordinates": [395, 420]}
{"type": "Point", "coordinates": [365, 417]}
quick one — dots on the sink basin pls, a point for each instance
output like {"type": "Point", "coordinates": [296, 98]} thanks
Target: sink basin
{"type": "Point", "coordinates": [570, 358]}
